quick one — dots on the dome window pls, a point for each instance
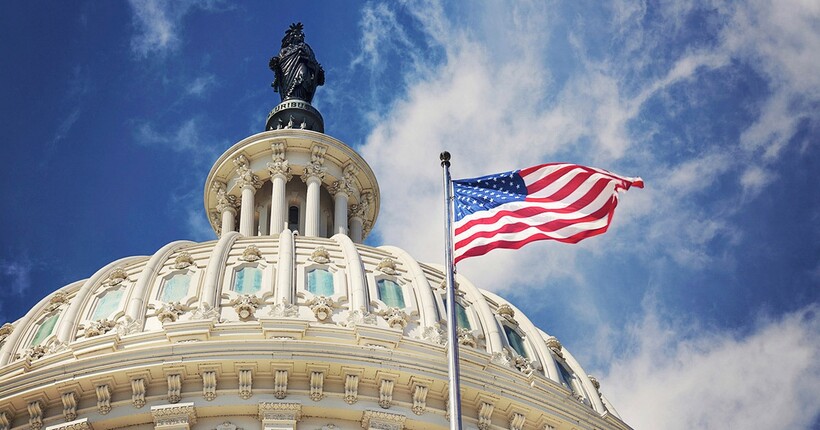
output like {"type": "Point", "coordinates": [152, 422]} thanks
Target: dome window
{"type": "Point", "coordinates": [107, 304]}
{"type": "Point", "coordinates": [320, 282]}
{"type": "Point", "coordinates": [44, 330]}
{"type": "Point", "coordinates": [390, 293]}
{"type": "Point", "coordinates": [462, 319]}
{"type": "Point", "coordinates": [176, 288]}
{"type": "Point", "coordinates": [248, 280]}
{"type": "Point", "coordinates": [516, 341]}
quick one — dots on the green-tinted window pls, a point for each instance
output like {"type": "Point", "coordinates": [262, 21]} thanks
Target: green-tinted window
{"type": "Point", "coordinates": [566, 377]}
{"type": "Point", "coordinates": [248, 280]}
{"type": "Point", "coordinates": [107, 304]}
{"type": "Point", "coordinates": [45, 330]}
{"type": "Point", "coordinates": [320, 282]}
{"type": "Point", "coordinates": [516, 341]}
{"type": "Point", "coordinates": [461, 315]}
{"type": "Point", "coordinates": [390, 293]}
{"type": "Point", "coordinates": [176, 288]}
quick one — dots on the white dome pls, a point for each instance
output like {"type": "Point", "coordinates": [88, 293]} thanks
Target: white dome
{"type": "Point", "coordinates": [293, 304]}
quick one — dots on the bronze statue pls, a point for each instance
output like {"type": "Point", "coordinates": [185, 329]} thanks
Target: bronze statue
{"type": "Point", "coordinates": [297, 73]}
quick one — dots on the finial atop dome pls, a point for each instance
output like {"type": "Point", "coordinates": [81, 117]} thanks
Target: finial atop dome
{"type": "Point", "coordinates": [296, 76]}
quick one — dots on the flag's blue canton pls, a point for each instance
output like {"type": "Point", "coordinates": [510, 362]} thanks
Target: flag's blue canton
{"type": "Point", "coordinates": [480, 194]}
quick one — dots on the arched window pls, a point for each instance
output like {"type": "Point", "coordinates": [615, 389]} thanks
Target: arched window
{"type": "Point", "coordinates": [107, 303]}
{"type": "Point", "coordinates": [176, 288]}
{"type": "Point", "coordinates": [567, 379]}
{"type": "Point", "coordinates": [320, 282]}
{"type": "Point", "coordinates": [293, 218]}
{"type": "Point", "coordinates": [516, 341]}
{"type": "Point", "coordinates": [45, 330]}
{"type": "Point", "coordinates": [461, 315]}
{"type": "Point", "coordinates": [248, 280]}
{"type": "Point", "coordinates": [390, 293]}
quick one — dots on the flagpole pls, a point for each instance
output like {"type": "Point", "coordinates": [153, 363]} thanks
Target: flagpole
{"type": "Point", "coordinates": [452, 323]}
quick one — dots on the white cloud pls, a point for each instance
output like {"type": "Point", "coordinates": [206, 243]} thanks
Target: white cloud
{"type": "Point", "coordinates": [199, 86]}
{"type": "Point", "coordinates": [186, 138]}
{"type": "Point", "coordinates": [681, 376]}
{"type": "Point", "coordinates": [15, 276]}
{"type": "Point", "coordinates": [157, 24]}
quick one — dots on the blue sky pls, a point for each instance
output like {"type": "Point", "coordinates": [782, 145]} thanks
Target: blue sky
{"type": "Point", "coordinates": [699, 309]}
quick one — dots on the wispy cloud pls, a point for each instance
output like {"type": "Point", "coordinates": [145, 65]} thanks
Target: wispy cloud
{"type": "Point", "coordinates": [201, 85]}
{"type": "Point", "coordinates": [678, 375]}
{"type": "Point", "coordinates": [15, 276]}
{"type": "Point", "coordinates": [158, 24]}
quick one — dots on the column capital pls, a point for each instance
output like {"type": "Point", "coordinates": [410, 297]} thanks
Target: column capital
{"type": "Point", "coordinates": [246, 178]}
{"type": "Point", "coordinates": [314, 170]}
{"type": "Point", "coordinates": [224, 201]}
{"type": "Point", "coordinates": [359, 210]}
{"type": "Point", "coordinates": [279, 165]}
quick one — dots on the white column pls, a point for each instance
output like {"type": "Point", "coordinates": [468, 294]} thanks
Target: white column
{"type": "Point", "coordinates": [356, 228]}
{"type": "Point", "coordinates": [249, 183]}
{"type": "Point", "coordinates": [312, 206]}
{"type": "Point", "coordinates": [280, 175]}
{"type": "Point", "coordinates": [340, 213]}
{"type": "Point", "coordinates": [278, 211]}
{"type": "Point", "coordinates": [263, 220]}
{"type": "Point", "coordinates": [246, 212]}
{"type": "Point", "coordinates": [228, 215]}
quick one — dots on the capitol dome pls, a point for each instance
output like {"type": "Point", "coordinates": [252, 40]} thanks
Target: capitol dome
{"type": "Point", "coordinates": [287, 320]}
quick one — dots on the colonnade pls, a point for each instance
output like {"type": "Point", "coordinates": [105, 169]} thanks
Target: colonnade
{"type": "Point", "coordinates": [347, 219]}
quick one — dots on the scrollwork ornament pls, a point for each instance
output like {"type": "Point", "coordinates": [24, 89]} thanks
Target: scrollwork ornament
{"type": "Point", "coordinates": [554, 345]}
{"type": "Point", "coordinates": [170, 312]}
{"type": "Point", "coordinates": [96, 328]}
{"type": "Point", "coordinates": [434, 334]}
{"type": "Point", "coordinates": [117, 276]}
{"type": "Point", "coordinates": [246, 306]}
{"type": "Point", "coordinates": [322, 307]}
{"type": "Point", "coordinates": [466, 337]}
{"type": "Point", "coordinates": [57, 300]}
{"type": "Point", "coordinates": [284, 310]}
{"type": "Point", "coordinates": [358, 317]}
{"type": "Point", "coordinates": [395, 317]}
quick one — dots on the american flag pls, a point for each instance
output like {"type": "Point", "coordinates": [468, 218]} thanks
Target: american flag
{"type": "Point", "coordinates": [558, 201]}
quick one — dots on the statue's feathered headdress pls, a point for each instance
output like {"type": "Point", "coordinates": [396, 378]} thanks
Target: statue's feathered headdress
{"type": "Point", "coordinates": [292, 32]}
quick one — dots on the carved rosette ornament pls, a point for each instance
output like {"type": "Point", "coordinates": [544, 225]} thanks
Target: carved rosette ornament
{"type": "Point", "coordinates": [320, 255]}
{"type": "Point", "coordinates": [554, 345]}
{"type": "Point", "coordinates": [395, 317]}
{"type": "Point", "coordinates": [251, 254]}
{"type": "Point", "coordinates": [246, 306]}
{"type": "Point", "coordinates": [322, 307]}
{"type": "Point", "coordinates": [96, 328]}
{"type": "Point", "coordinates": [387, 266]}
